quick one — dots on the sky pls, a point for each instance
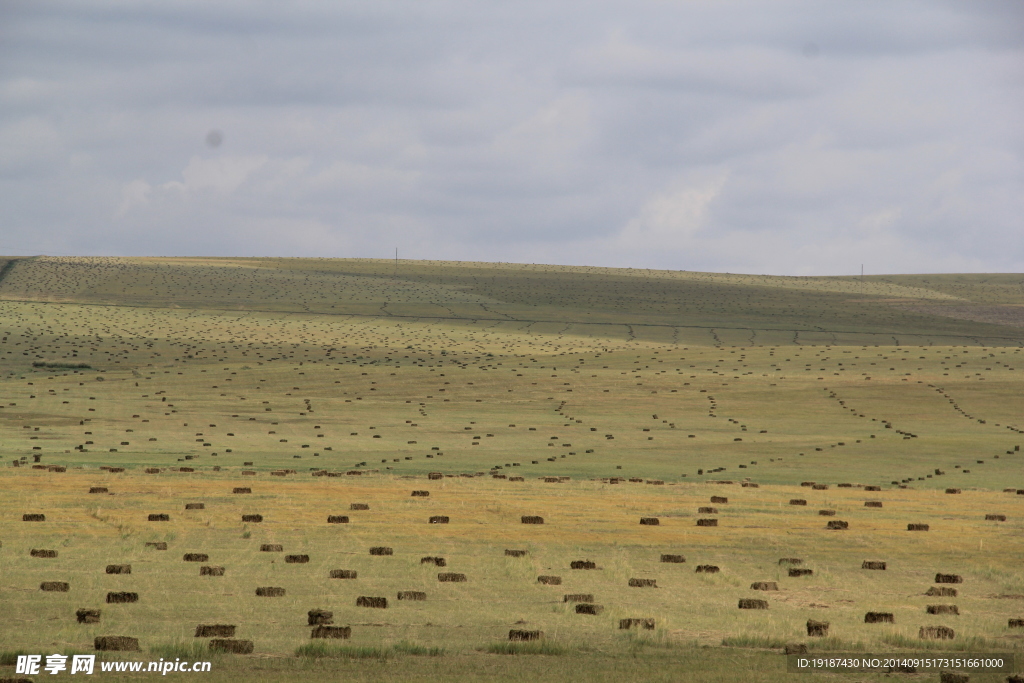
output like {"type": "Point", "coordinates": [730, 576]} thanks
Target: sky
{"type": "Point", "coordinates": [784, 137]}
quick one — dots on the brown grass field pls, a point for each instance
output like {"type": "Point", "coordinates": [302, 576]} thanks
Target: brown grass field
{"type": "Point", "coordinates": [589, 397]}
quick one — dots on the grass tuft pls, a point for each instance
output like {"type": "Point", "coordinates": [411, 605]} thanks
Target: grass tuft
{"type": "Point", "coordinates": [407, 648]}
{"type": "Point", "coordinates": [194, 651]}
{"type": "Point", "coordinates": [325, 651]}
{"type": "Point", "coordinates": [541, 648]}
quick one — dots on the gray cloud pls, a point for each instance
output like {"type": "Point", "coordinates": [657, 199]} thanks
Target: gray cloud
{"type": "Point", "coordinates": [794, 137]}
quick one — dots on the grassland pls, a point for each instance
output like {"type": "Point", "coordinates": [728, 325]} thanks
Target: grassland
{"type": "Point", "coordinates": [216, 374]}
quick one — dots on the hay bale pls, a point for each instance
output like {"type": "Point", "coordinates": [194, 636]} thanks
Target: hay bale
{"type": "Point", "coordinates": [98, 489]}
{"type": "Point", "coordinates": [936, 633]}
{"type": "Point", "coordinates": [643, 622]}
{"type": "Point", "coordinates": [817, 628]}
{"type": "Point", "coordinates": [873, 564]}
{"type": "Point", "coordinates": [376, 603]}
{"type": "Point", "coordinates": [451, 577]}
{"type": "Point", "coordinates": [421, 494]}
{"type": "Point", "coordinates": [820, 487]}
{"type": "Point", "coordinates": [707, 522]}
{"type": "Point", "coordinates": [125, 597]}
{"type": "Point", "coordinates": [33, 517]}
{"type": "Point", "coordinates": [436, 561]}
{"type": "Point", "coordinates": [952, 490]}
{"type": "Point", "coordinates": [995, 518]}
{"type": "Point", "coordinates": [119, 569]}
{"type": "Point", "coordinates": [578, 597]}
{"type": "Point", "coordinates": [241, 489]}
{"type": "Point", "coordinates": [942, 609]}
{"type": "Point", "coordinates": [271, 548]}
{"type": "Point", "coordinates": [797, 501]}
{"type": "Point", "coordinates": [515, 553]}
{"type": "Point", "coordinates": [952, 677]}
{"type": "Point", "coordinates": [88, 616]}
{"type": "Point", "coordinates": [338, 632]}
{"type": "Point", "coordinates": [750, 485]}
{"type": "Point", "coordinates": [719, 499]}
{"type": "Point", "coordinates": [750, 603]}
{"type": "Point", "coordinates": [270, 592]}
{"type": "Point", "coordinates": [675, 559]}
{"type": "Point", "coordinates": [157, 517]}
{"type": "Point", "coordinates": [872, 503]}
{"type": "Point", "coordinates": [434, 475]}
{"type": "Point", "coordinates": [115, 644]}
{"type": "Point", "coordinates": [358, 506]}
{"type": "Point", "coordinates": [296, 559]}
{"type": "Point", "coordinates": [211, 571]}
{"type": "Point", "coordinates": [438, 519]}
{"type": "Point", "coordinates": [381, 551]}
{"type": "Point", "coordinates": [54, 586]}
{"type": "Point", "coordinates": [707, 511]}
{"type": "Point", "coordinates": [238, 647]}
{"type": "Point", "coordinates": [39, 552]}
{"type": "Point", "coordinates": [412, 595]}
{"type": "Point", "coordinates": [152, 470]}
{"type": "Point", "coordinates": [195, 506]}
{"type": "Point", "coordinates": [707, 569]}
{"type": "Point", "coordinates": [252, 519]}
{"type": "Point", "coordinates": [589, 608]}
{"type": "Point", "coordinates": [517, 635]}
{"type": "Point", "coordinates": [948, 578]}
{"type": "Point", "coordinates": [215, 631]}
{"type": "Point", "coordinates": [643, 583]}
{"type": "Point", "coordinates": [650, 521]}
{"type": "Point", "coordinates": [800, 572]}
{"type": "Point", "coordinates": [879, 618]}
{"type": "Point", "coordinates": [157, 545]}
{"type": "Point", "coordinates": [917, 527]}
{"type": "Point", "coordinates": [337, 519]}
{"type": "Point", "coordinates": [531, 519]}
{"type": "Point", "coordinates": [764, 586]}
{"type": "Point", "coordinates": [196, 557]}
{"type": "Point", "coordinates": [941, 592]}
{"type": "Point", "coordinates": [317, 617]}
{"type": "Point", "coordinates": [790, 560]}
{"type": "Point", "coordinates": [838, 524]}
{"type": "Point", "coordinates": [795, 649]}
{"type": "Point", "coordinates": [343, 574]}
{"type": "Point", "coordinates": [582, 564]}
{"type": "Point", "coordinates": [872, 488]}
{"type": "Point", "coordinates": [827, 513]}
{"type": "Point", "coordinates": [550, 580]}
{"type": "Point", "coordinates": [1015, 623]}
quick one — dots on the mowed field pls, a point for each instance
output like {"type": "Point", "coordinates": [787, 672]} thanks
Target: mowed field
{"type": "Point", "coordinates": [590, 398]}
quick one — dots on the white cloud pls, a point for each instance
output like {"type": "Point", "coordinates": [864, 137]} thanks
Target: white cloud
{"type": "Point", "coordinates": [699, 135]}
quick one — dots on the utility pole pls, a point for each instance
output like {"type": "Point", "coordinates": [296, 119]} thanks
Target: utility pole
{"type": "Point", "coordinates": [396, 263]}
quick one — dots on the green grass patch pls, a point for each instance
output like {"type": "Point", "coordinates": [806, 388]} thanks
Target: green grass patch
{"type": "Point", "coordinates": [407, 648]}
{"type": "Point", "coordinates": [194, 651]}
{"type": "Point", "coordinates": [973, 644]}
{"type": "Point", "coordinates": [325, 651]}
{"type": "Point", "coordinates": [748, 640]}
{"type": "Point", "coordinates": [11, 658]}
{"type": "Point", "coordinates": [541, 648]}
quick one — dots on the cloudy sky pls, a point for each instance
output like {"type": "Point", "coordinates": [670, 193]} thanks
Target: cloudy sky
{"type": "Point", "coordinates": [780, 137]}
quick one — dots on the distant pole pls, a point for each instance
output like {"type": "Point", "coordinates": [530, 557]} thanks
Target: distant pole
{"type": "Point", "coordinates": [861, 271]}
{"type": "Point", "coordinates": [396, 263]}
